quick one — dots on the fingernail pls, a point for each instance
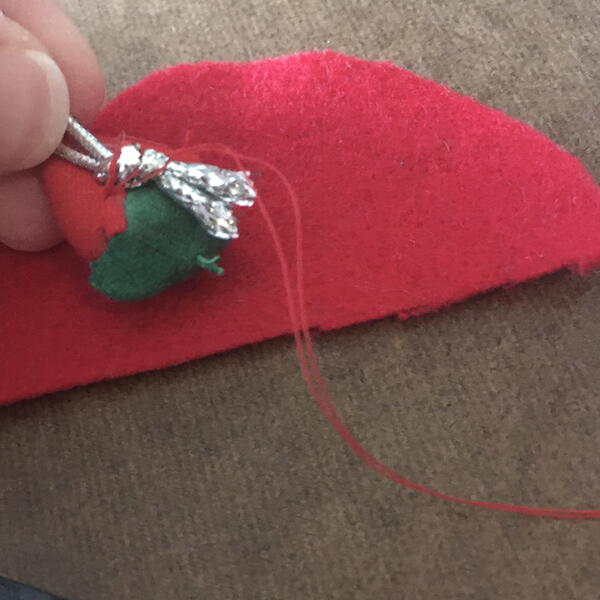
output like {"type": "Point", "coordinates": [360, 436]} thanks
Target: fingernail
{"type": "Point", "coordinates": [34, 107]}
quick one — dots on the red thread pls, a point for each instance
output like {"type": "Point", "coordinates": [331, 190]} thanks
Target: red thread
{"type": "Point", "coordinates": [111, 184]}
{"type": "Point", "coordinates": [312, 373]}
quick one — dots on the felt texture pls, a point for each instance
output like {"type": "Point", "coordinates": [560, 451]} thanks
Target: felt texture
{"type": "Point", "coordinates": [87, 214]}
{"type": "Point", "coordinates": [412, 197]}
{"type": "Point", "coordinates": [219, 478]}
{"type": "Point", "coordinates": [162, 245]}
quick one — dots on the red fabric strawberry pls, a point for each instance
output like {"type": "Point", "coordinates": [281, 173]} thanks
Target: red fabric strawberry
{"type": "Point", "coordinates": [151, 220]}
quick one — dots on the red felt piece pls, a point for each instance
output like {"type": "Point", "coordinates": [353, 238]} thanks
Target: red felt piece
{"type": "Point", "coordinates": [412, 197]}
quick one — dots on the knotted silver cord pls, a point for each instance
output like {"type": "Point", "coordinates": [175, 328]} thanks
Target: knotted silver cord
{"type": "Point", "coordinates": [208, 192]}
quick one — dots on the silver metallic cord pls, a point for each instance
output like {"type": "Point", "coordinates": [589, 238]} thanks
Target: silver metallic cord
{"type": "Point", "coordinates": [77, 158]}
{"type": "Point", "coordinates": [208, 192]}
{"type": "Point", "coordinates": [98, 155]}
{"type": "Point", "coordinates": [87, 140]}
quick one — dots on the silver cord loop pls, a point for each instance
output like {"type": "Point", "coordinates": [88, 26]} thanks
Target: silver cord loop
{"type": "Point", "coordinates": [77, 158]}
{"type": "Point", "coordinates": [99, 155]}
{"type": "Point", "coordinates": [208, 192]}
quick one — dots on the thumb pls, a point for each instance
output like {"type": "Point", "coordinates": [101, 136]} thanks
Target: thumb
{"type": "Point", "coordinates": [34, 107]}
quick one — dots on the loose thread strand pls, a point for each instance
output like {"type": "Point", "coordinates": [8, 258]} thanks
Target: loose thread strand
{"type": "Point", "coordinates": [312, 373]}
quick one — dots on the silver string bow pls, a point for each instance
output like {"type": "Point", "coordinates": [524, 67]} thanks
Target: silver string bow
{"type": "Point", "coordinates": [208, 192]}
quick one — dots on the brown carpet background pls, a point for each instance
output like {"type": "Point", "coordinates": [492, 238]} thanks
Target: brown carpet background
{"type": "Point", "coordinates": [220, 480]}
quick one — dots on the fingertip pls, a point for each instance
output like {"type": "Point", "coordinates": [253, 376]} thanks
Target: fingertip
{"type": "Point", "coordinates": [47, 21]}
{"type": "Point", "coordinates": [88, 90]}
{"type": "Point", "coordinates": [34, 108]}
{"type": "Point", "coordinates": [26, 221]}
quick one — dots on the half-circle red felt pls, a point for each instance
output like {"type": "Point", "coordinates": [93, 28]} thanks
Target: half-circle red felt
{"type": "Point", "coordinates": [412, 197]}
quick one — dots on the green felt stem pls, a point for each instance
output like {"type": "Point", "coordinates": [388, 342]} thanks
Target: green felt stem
{"type": "Point", "coordinates": [163, 244]}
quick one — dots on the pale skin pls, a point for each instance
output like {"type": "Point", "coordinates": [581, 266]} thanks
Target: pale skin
{"type": "Point", "coordinates": [47, 71]}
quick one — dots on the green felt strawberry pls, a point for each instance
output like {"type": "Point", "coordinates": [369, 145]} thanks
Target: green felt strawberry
{"type": "Point", "coordinates": [163, 244]}
{"type": "Point", "coordinates": [146, 221]}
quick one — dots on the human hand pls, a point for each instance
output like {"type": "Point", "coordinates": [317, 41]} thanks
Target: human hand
{"type": "Point", "coordinates": [47, 71]}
